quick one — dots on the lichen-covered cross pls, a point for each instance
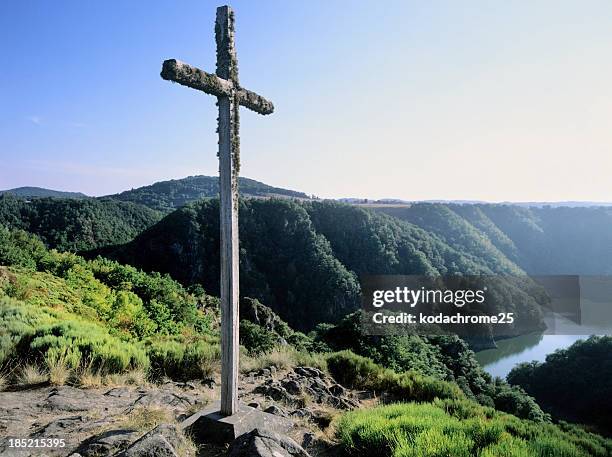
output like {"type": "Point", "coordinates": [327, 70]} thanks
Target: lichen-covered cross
{"type": "Point", "coordinates": [224, 85]}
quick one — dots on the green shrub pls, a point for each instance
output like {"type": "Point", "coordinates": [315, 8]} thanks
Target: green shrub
{"type": "Point", "coordinates": [82, 344]}
{"type": "Point", "coordinates": [182, 360]}
{"type": "Point", "coordinates": [18, 320]}
{"type": "Point", "coordinates": [256, 339]}
{"type": "Point", "coordinates": [360, 372]}
{"type": "Point", "coordinates": [352, 370]}
{"type": "Point", "coordinates": [19, 248]}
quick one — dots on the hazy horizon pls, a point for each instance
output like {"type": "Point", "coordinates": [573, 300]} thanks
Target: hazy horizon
{"type": "Point", "coordinates": [348, 197]}
{"type": "Point", "coordinates": [503, 102]}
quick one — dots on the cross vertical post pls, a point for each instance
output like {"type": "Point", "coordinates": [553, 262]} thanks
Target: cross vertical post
{"type": "Point", "coordinates": [230, 96]}
{"type": "Point", "coordinates": [229, 153]}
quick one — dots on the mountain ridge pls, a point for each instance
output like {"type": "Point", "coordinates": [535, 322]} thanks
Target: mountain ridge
{"type": "Point", "coordinates": [42, 192]}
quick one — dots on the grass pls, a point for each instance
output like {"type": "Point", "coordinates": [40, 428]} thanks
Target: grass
{"type": "Point", "coordinates": [146, 418]}
{"type": "Point", "coordinates": [209, 361]}
{"type": "Point", "coordinates": [31, 375]}
{"type": "Point", "coordinates": [137, 377]}
{"type": "Point", "coordinates": [183, 358]}
{"type": "Point", "coordinates": [4, 382]}
{"type": "Point", "coordinates": [282, 357]}
{"type": "Point", "coordinates": [458, 428]}
{"type": "Point", "coordinates": [59, 372]}
{"type": "Point", "coordinates": [88, 378]}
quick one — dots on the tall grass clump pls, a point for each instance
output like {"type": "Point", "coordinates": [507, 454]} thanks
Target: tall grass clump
{"type": "Point", "coordinates": [31, 375]}
{"type": "Point", "coordinates": [59, 371]}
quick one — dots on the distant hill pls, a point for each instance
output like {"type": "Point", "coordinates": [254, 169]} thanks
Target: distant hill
{"type": "Point", "coordinates": [166, 196]}
{"type": "Point", "coordinates": [70, 224]}
{"type": "Point", "coordinates": [541, 240]}
{"type": "Point", "coordinates": [534, 204]}
{"type": "Point", "coordinates": [40, 192]}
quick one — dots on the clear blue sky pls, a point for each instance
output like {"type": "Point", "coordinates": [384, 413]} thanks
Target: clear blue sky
{"type": "Point", "coordinates": [417, 100]}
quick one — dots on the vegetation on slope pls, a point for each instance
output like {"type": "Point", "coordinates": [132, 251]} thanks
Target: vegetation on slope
{"type": "Point", "coordinates": [434, 418]}
{"type": "Point", "coordinates": [459, 428]}
{"type": "Point", "coordinates": [573, 383]}
{"type": "Point", "coordinates": [166, 196]}
{"type": "Point", "coordinates": [444, 358]}
{"type": "Point", "coordinates": [76, 225]}
{"type": "Point", "coordinates": [303, 259]}
{"type": "Point", "coordinates": [98, 315]}
{"type": "Point", "coordinates": [541, 241]}
{"type": "Point", "coordinates": [284, 262]}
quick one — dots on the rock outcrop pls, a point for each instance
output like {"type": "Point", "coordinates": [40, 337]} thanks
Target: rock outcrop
{"type": "Point", "coordinates": [265, 443]}
{"type": "Point", "coordinates": [307, 382]}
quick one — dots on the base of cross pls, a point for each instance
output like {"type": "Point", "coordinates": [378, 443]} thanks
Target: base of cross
{"type": "Point", "coordinates": [209, 425]}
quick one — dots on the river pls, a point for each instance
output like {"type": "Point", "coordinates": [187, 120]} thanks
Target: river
{"type": "Point", "coordinates": [526, 348]}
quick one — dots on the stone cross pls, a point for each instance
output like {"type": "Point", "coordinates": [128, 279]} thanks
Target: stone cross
{"type": "Point", "coordinates": [224, 85]}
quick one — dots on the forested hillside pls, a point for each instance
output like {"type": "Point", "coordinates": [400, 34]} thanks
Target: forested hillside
{"type": "Point", "coordinates": [166, 196]}
{"type": "Point", "coordinates": [304, 259]}
{"type": "Point", "coordinates": [76, 224]}
{"type": "Point", "coordinates": [41, 192]}
{"type": "Point", "coordinates": [542, 241]}
{"type": "Point", "coordinates": [574, 384]}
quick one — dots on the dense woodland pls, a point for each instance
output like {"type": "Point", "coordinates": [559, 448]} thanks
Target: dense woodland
{"type": "Point", "coordinates": [167, 196]}
{"type": "Point", "coordinates": [103, 287]}
{"type": "Point", "coordinates": [77, 224]}
{"type": "Point", "coordinates": [574, 384]}
{"type": "Point", "coordinates": [542, 241]}
{"type": "Point", "coordinates": [304, 259]}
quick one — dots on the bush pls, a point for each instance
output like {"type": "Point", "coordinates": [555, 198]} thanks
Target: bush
{"type": "Point", "coordinates": [16, 321]}
{"type": "Point", "coordinates": [181, 359]}
{"type": "Point", "coordinates": [19, 248]}
{"type": "Point", "coordinates": [81, 344]}
{"type": "Point", "coordinates": [256, 339]}
{"type": "Point", "coordinates": [359, 372]}
{"type": "Point", "coordinates": [352, 370]}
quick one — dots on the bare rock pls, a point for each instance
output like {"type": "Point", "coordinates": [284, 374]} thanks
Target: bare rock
{"type": "Point", "coordinates": [59, 427]}
{"type": "Point", "coordinates": [151, 446]}
{"type": "Point", "coordinates": [163, 441]}
{"type": "Point", "coordinates": [107, 443]}
{"type": "Point", "coordinates": [265, 443]}
{"type": "Point", "coordinates": [308, 439]}
{"type": "Point", "coordinates": [292, 386]}
{"type": "Point", "coordinates": [165, 398]}
{"type": "Point", "coordinates": [67, 399]}
{"type": "Point", "coordinates": [277, 411]}
{"type": "Point", "coordinates": [302, 413]}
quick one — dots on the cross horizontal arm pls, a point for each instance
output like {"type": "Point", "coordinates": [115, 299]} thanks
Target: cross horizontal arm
{"type": "Point", "coordinates": [186, 75]}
